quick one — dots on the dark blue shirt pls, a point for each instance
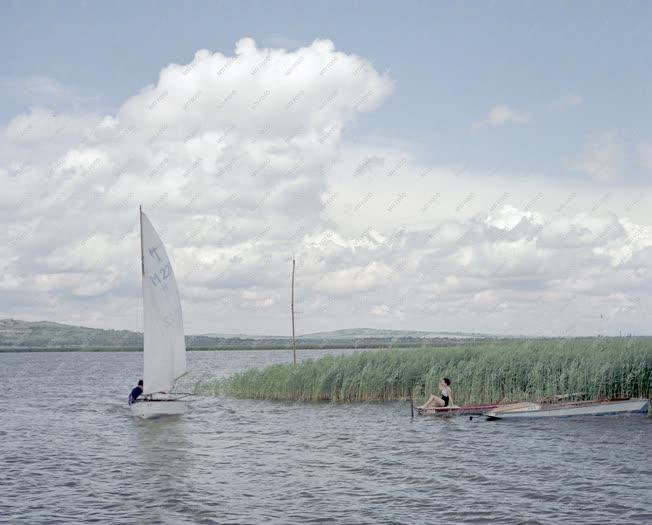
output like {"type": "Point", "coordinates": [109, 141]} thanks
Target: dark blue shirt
{"type": "Point", "coordinates": [135, 394]}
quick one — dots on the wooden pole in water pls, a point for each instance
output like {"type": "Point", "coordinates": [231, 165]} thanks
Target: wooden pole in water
{"type": "Point", "coordinates": [411, 404]}
{"type": "Point", "coordinates": [294, 345]}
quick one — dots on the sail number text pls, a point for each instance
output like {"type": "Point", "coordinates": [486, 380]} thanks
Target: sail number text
{"type": "Point", "coordinates": [163, 273]}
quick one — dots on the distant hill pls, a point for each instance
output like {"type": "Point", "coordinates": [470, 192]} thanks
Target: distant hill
{"type": "Point", "coordinates": [25, 335]}
{"type": "Point", "coordinates": [44, 334]}
{"type": "Point", "coordinates": [355, 333]}
{"type": "Point", "coordinates": [361, 333]}
{"type": "Point", "coordinates": [241, 336]}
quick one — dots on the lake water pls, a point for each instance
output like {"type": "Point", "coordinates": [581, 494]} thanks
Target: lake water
{"type": "Point", "coordinates": [71, 453]}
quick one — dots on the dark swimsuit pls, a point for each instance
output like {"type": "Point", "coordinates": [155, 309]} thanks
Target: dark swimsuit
{"type": "Point", "coordinates": [445, 400]}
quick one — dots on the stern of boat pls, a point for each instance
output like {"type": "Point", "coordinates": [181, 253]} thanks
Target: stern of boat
{"type": "Point", "coordinates": [158, 408]}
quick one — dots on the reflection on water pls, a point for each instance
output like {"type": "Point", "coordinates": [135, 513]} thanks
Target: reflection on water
{"type": "Point", "coordinates": [72, 453]}
{"type": "Point", "coordinates": [162, 438]}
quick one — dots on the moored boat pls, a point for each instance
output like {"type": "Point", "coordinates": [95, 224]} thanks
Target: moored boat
{"type": "Point", "coordinates": [629, 406]}
{"type": "Point", "coordinates": [466, 410]}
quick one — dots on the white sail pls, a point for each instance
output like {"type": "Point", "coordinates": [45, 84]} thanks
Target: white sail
{"type": "Point", "coordinates": [164, 342]}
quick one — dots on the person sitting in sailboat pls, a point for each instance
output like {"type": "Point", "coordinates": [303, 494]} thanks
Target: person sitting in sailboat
{"type": "Point", "coordinates": [136, 392]}
{"type": "Point", "coordinates": [446, 398]}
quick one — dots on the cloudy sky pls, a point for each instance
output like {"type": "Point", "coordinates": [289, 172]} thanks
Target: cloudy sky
{"type": "Point", "coordinates": [436, 166]}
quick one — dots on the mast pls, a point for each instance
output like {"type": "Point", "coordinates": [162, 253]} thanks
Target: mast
{"type": "Point", "coordinates": [142, 257]}
{"type": "Point", "coordinates": [142, 271]}
{"type": "Point", "coordinates": [294, 346]}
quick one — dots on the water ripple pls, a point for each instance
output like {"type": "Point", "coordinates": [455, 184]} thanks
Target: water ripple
{"type": "Point", "coordinates": [84, 459]}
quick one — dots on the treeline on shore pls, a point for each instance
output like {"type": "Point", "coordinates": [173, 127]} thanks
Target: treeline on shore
{"type": "Point", "coordinates": [204, 343]}
{"type": "Point", "coordinates": [26, 336]}
{"type": "Point", "coordinates": [488, 373]}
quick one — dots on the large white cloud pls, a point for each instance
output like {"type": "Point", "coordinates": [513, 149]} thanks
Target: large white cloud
{"type": "Point", "coordinates": [240, 161]}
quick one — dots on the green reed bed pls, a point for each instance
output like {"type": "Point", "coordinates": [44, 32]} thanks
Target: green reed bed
{"type": "Point", "coordinates": [519, 370]}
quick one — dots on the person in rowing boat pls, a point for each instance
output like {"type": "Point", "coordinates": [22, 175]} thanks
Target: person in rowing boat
{"type": "Point", "coordinates": [136, 393]}
{"type": "Point", "coordinates": [446, 398]}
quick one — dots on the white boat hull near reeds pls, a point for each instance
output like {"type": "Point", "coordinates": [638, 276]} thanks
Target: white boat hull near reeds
{"type": "Point", "coordinates": [580, 408]}
{"type": "Point", "coordinates": [158, 408]}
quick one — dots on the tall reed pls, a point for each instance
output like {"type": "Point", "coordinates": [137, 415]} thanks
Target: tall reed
{"type": "Point", "coordinates": [519, 370]}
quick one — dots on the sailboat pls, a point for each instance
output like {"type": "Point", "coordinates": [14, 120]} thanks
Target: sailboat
{"type": "Point", "coordinates": [164, 345]}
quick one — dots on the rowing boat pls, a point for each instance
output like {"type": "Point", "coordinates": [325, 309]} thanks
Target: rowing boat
{"type": "Point", "coordinates": [466, 410]}
{"type": "Point", "coordinates": [629, 406]}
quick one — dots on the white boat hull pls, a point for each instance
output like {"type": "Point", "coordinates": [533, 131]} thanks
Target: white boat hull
{"type": "Point", "coordinates": [598, 408]}
{"type": "Point", "coordinates": [158, 408]}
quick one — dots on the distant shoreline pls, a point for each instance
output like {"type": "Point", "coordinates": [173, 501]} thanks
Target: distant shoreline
{"type": "Point", "coordinates": [357, 344]}
{"type": "Point", "coordinates": [334, 345]}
